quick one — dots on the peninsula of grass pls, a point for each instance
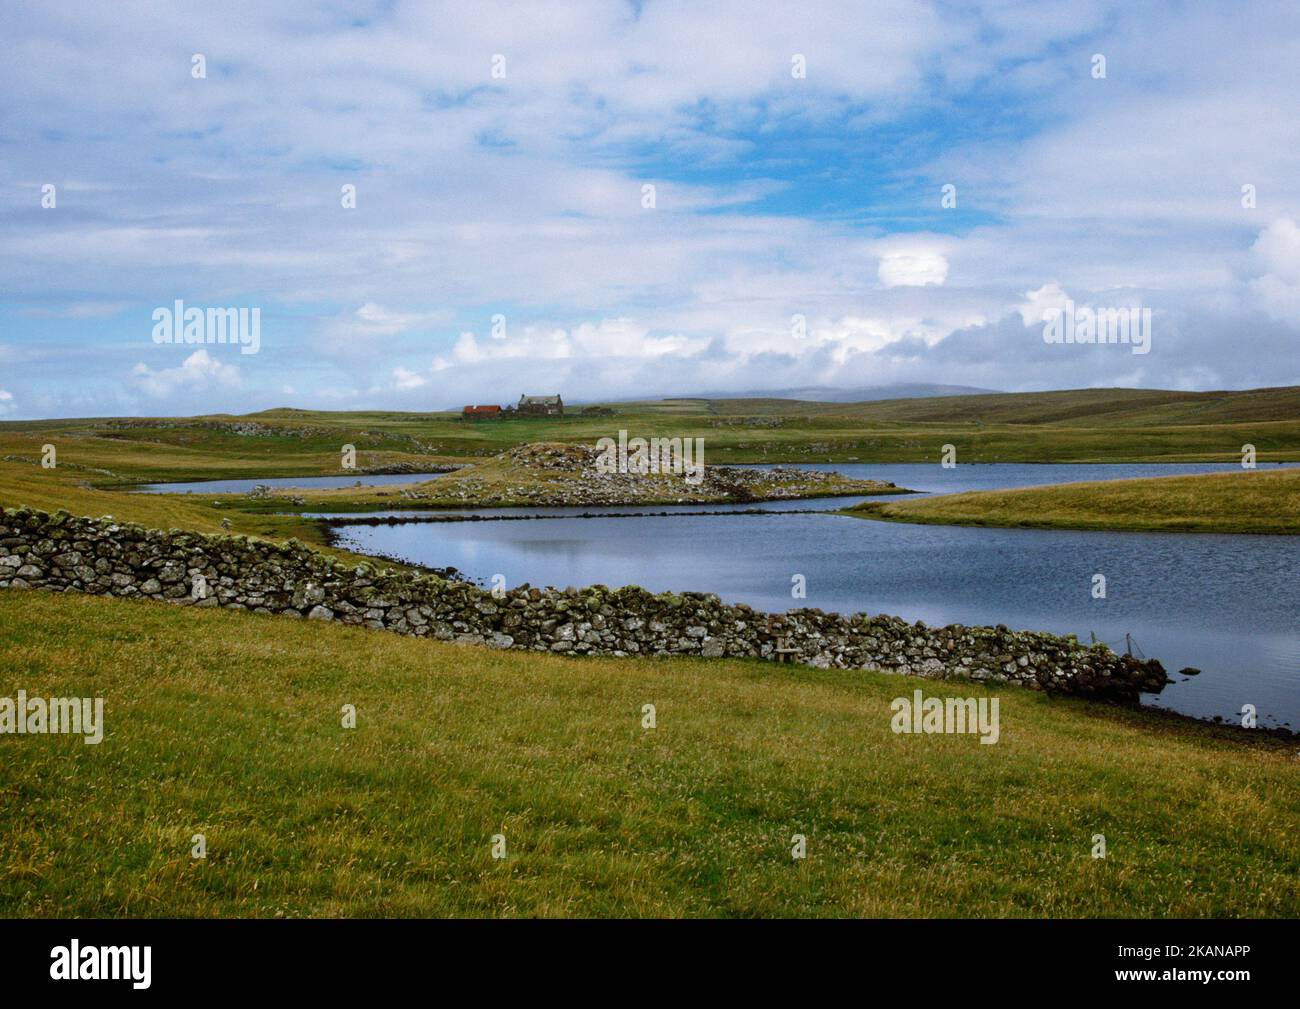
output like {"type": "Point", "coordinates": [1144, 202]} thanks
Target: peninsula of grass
{"type": "Point", "coordinates": [228, 725]}
{"type": "Point", "coordinates": [1250, 501]}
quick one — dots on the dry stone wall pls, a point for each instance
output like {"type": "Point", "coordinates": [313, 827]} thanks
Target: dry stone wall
{"type": "Point", "coordinates": [61, 552]}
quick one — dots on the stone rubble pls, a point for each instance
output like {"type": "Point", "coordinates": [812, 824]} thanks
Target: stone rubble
{"type": "Point", "coordinates": [563, 474]}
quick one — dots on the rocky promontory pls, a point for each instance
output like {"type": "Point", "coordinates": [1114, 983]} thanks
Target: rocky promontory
{"type": "Point", "coordinates": [556, 474]}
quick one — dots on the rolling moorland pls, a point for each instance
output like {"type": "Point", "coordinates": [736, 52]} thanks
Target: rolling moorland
{"type": "Point", "coordinates": [1089, 425]}
{"type": "Point", "coordinates": [97, 458]}
{"type": "Point", "coordinates": [228, 723]}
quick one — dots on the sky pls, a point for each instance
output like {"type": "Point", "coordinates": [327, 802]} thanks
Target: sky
{"type": "Point", "coordinates": [615, 199]}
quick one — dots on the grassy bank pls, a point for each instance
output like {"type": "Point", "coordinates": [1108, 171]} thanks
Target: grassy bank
{"type": "Point", "coordinates": [66, 487]}
{"type": "Point", "coordinates": [227, 724]}
{"type": "Point", "coordinates": [1258, 501]}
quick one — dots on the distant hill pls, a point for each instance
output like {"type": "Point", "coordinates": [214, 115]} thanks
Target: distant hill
{"type": "Point", "coordinates": [1079, 409]}
{"type": "Point", "coordinates": [831, 394]}
{"type": "Point", "coordinates": [1135, 408]}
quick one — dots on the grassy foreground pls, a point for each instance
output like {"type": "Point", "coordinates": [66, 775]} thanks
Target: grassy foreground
{"type": "Point", "coordinates": [1259, 501]}
{"type": "Point", "coordinates": [228, 724]}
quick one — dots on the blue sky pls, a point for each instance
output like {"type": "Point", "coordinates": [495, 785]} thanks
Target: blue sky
{"type": "Point", "coordinates": [521, 196]}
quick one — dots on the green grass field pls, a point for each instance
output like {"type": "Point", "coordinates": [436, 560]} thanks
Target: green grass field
{"type": "Point", "coordinates": [228, 724]}
{"type": "Point", "coordinates": [1250, 501]}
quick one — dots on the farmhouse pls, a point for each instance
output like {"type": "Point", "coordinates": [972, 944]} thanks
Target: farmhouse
{"type": "Point", "coordinates": [541, 406]}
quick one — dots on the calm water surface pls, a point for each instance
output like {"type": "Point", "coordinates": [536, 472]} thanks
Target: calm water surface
{"type": "Point", "coordinates": [1228, 605]}
{"type": "Point", "coordinates": [298, 482]}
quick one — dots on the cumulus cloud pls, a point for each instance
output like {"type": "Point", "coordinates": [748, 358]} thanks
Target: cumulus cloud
{"type": "Point", "coordinates": [6, 401]}
{"type": "Point", "coordinates": [608, 339]}
{"type": "Point", "coordinates": [1049, 298]}
{"type": "Point", "coordinates": [404, 378]}
{"type": "Point", "coordinates": [198, 373]}
{"type": "Point", "coordinates": [1276, 254]}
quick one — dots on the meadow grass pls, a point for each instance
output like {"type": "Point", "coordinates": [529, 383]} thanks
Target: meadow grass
{"type": "Point", "coordinates": [228, 724]}
{"type": "Point", "coordinates": [1249, 501]}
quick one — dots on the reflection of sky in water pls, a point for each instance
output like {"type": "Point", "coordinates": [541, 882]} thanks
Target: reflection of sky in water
{"type": "Point", "coordinates": [296, 482]}
{"type": "Point", "coordinates": [1225, 604]}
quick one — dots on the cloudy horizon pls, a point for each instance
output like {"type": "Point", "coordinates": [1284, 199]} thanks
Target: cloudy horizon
{"type": "Point", "coordinates": [615, 200]}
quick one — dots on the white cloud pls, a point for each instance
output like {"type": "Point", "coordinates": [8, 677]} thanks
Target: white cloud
{"type": "Point", "coordinates": [404, 378]}
{"type": "Point", "coordinates": [365, 330]}
{"type": "Point", "coordinates": [610, 339]}
{"type": "Point", "coordinates": [198, 373]}
{"type": "Point", "coordinates": [1276, 253]}
{"type": "Point", "coordinates": [1037, 304]}
{"type": "Point", "coordinates": [913, 269]}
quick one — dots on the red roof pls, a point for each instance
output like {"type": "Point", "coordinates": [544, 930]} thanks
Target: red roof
{"type": "Point", "coordinates": [482, 409]}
